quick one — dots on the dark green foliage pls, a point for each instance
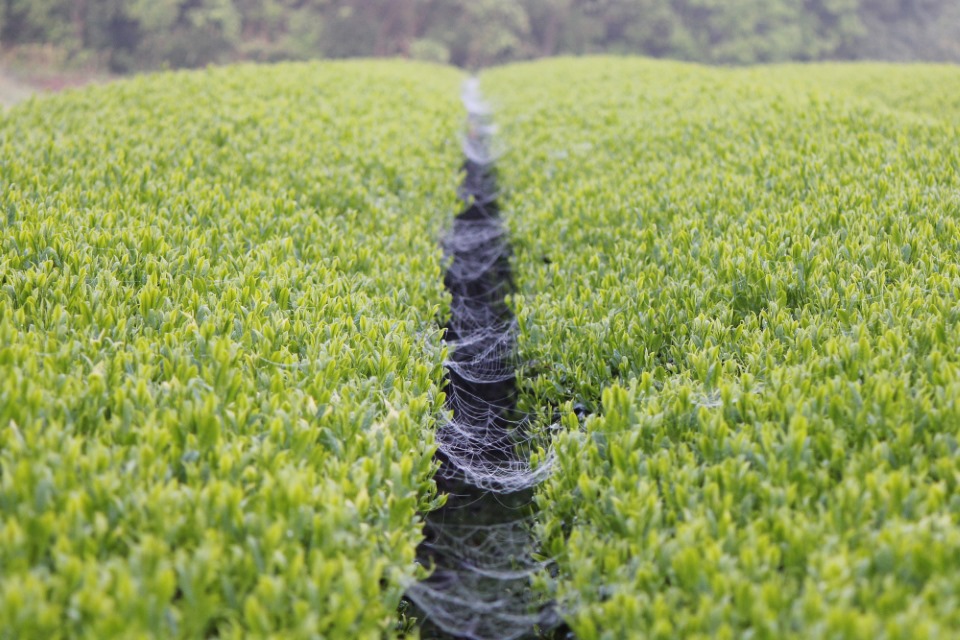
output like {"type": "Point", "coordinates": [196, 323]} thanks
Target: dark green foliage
{"type": "Point", "coordinates": [136, 35]}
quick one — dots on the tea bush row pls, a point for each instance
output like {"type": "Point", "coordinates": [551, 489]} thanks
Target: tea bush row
{"type": "Point", "coordinates": [749, 278]}
{"type": "Point", "coordinates": [219, 362]}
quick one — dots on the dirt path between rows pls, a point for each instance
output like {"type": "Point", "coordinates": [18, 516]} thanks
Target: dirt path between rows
{"type": "Point", "coordinates": [16, 87]}
{"type": "Point", "coordinates": [13, 90]}
{"type": "Point", "coordinates": [479, 544]}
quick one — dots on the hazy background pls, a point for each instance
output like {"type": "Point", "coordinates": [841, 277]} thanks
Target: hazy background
{"type": "Point", "coordinates": [51, 43]}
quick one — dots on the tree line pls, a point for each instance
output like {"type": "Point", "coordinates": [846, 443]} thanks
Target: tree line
{"type": "Point", "coordinates": [129, 35]}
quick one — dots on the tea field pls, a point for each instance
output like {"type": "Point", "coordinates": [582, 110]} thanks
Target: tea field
{"type": "Point", "coordinates": [221, 366]}
{"type": "Point", "coordinates": [750, 279]}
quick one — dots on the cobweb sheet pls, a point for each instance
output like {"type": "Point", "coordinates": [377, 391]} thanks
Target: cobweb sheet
{"type": "Point", "coordinates": [479, 545]}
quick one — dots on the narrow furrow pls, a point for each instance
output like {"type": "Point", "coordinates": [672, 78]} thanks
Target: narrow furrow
{"type": "Point", "coordinates": [480, 544]}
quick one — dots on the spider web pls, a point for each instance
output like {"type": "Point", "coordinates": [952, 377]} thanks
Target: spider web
{"type": "Point", "coordinates": [479, 545]}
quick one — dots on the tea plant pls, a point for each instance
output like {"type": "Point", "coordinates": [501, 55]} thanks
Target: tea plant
{"type": "Point", "coordinates": [219, 363]}
{"type": "Point", "coordinates": [750, 278]}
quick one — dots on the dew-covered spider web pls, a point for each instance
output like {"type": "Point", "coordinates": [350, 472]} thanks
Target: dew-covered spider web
{"type": "Point", "coordinates": [479, 545]}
